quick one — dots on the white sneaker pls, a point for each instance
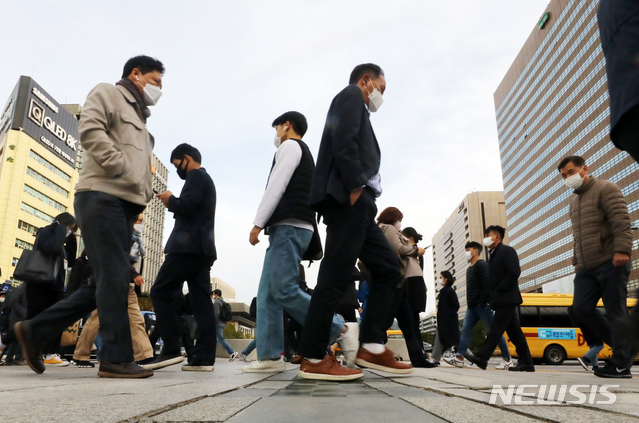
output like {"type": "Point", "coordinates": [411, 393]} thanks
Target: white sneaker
{"type": "Point", "coordinates": [245, 358]}
{"type": "Point", "coordinates": [234, 356]}
{"type": "Point", "coordinates": [265, 366]}
{"type": "Point", "coordinates": [504, 365]}
{"type": "Point", "coordinates": [454, 361]}
{"type": "Point", "coordinates": [349, 343]}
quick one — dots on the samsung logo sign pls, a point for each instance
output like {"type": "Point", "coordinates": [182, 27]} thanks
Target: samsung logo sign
{"type": "Point", "coordinates": [45, 100]}
{"type": "Point", "coordinates": [38, 115]}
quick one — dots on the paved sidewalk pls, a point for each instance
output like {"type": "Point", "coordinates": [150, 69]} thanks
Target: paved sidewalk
{"type": "Point", "coordinates": [228, 395]}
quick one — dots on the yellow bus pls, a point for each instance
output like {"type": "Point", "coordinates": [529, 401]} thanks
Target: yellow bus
{"type": "Point", "coordinates": [549, 331]}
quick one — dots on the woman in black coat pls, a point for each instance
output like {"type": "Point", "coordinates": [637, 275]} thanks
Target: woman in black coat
{"type": "Point", "coordinates": [415, 285]}
{"type": "Point", "coordinates": [55, 239]}
{"type": "Point", "coordinates": [447, 319]}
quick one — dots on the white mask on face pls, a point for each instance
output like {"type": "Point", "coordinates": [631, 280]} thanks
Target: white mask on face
{"type": "Point", "coordinates": [575, 181]}
{"type": "Point", "coordinates": [278, 139]}
{"type": "Point", "coordinates": [152, 94]}
{"type": "Point", "coordinates": [398, 225]}
{"type": "Point", "coordinates": [375, 99]}
{"type": "Point", "coordinates": [488, 241]}
{"type": "Point", "coordinates": [2, 299]}
{"type": "Point", "coordinates": [68, 231]}
{"type": "Point", "coordinates": [468, 255]}
{"type": "Point", "coordinates": [139, 227]}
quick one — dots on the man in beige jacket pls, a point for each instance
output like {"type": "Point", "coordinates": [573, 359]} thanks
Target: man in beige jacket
{"type": "Point", "coordinates": [603, 244]}
{"type": "Point", "coordinates": [114, 188]}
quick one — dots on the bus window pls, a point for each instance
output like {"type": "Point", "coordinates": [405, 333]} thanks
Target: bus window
{"type": "Point", "coordinates": [528, 316]}
{"type": "Point", "coordinates": [554, 317]}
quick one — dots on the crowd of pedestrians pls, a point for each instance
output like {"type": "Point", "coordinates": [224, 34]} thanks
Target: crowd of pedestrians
{"type": "Point", "coordinates": [340, 189]}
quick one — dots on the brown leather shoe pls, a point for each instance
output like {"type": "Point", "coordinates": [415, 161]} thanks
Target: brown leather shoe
{"type": "Point", "coordinates": [328, 369]}
{"type": "Point", "coordinates": [297, 359]}
{"type": "Point", "coordinates": [385, 362]}
{"type": "Point", "coordinates": [130, 370]}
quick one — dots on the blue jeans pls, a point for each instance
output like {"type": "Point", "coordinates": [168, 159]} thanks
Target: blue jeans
{"type": "Point", "coordinates": [219, 329]}
{"type": "Point", "coordinates": [472, 317]}
{"type": "Point", "coordinates": [279, 290]}
{"type": "Point", "coordinates": [593, 354]}
{"type": "Point", "coordinates": [250, 347]}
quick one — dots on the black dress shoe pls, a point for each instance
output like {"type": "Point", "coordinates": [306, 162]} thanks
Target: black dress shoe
{"type": "Point", "coordinates": [130, 370]}
{"type": "Point", "coordinates": [31, 353]}
{"type": "Point", "coordinates": [425, 364]}
{"type": "Point", "coordinates": [478, 362]}
{"type": "Point", "coordinates": [522, 368]}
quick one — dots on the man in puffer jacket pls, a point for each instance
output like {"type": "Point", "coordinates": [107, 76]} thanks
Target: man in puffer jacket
{"type": "Point", "coordinates": [602, 248]}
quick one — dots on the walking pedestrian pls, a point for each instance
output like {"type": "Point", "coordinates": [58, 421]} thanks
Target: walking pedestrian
{"type": "Point", "coordinates": [190, 253]}
{"type": "Point", "coordinates": [447, 308]}
{"type": "Point", "coordinates": [504, 298]}
{"type": "Point", "coordinates": [602, 248]}
{"type": "Point", "coordinates": [289, 222]}
{"type": "Point", "coordinates": [415, 285]}
{"type": "Point", "coordinates": [346, 183]}
{"type": "Point", "coordinates": [114, 188]}
{"type": "Point", "coordinates": [220, 323]}
{"type": "Point", "coordinates": [477, 288]}
{"type": "Point", "coordinates": [591, 358]}
{"type": "Point", "coordinates": [390, 221]}
{"type": "Point", "coordinates": [55, 240]}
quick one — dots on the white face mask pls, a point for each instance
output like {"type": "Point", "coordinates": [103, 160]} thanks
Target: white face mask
{"type": "Point", "coordinates": [2, 299]}
{"type": "Point", "coordinates": [398, 225]}
{"type": "Point", "coordinates": [139, 227]}
{"type": "Point", "coordinates": [488, 241]}
{"type": "Point", "coordinates": [375, 99]}
{"type": "Point", "coordinates": [69, 232]}
{"type": "Point", "coordinates": [575, 181]}
{"type": "Point", "coordinates": [152, 94]}
{"type": "Point", "coordinates": [278, 140]}
{"type": "Point", "coordinates": [468, 255]}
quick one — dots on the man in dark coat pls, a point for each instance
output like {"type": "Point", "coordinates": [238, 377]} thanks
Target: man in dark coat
{"type": "Point", "coordinates": [504, 297]}
{"type": "Point", "coordinates": [190, 253]}
{"type": "Point", "coordinates": [345, 185]}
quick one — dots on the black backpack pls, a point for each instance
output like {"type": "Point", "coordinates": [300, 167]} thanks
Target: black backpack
{"type": "Point", "coordinates": [225, 313]}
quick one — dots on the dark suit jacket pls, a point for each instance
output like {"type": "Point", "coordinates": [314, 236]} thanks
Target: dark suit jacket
{"type": "Point", "coordinates": [504, 277]}
{"type": "Point", "coordinates": [619, 29]}
{"type": "Point", "coordinates": [52, 239]}
{"type": "Point", "coordinates": [194, 214]}
{"type": "Point", "coordinates": [349, 154]}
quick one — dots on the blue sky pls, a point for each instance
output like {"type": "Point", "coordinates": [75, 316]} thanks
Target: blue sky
{"type": "Point", "coordinates": [232, 67]}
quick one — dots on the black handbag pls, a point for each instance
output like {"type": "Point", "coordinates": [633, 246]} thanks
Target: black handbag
{"type": "Point", "coordinates": [314, 251]}
{"type": "Point", "coordinates": [37, 267]}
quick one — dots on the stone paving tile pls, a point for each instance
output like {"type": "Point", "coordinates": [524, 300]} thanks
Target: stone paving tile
{"type": "Point", "coordinates": [206, 410]}
{"type": "Point", "coordinates": [271, 384]}
{"type": "Point", "coordinates": [249, 393]}
{"type": "Point", "coordinates": [313, 388]}
{"type": "Point", "coordinates": [396, 390]}
{"type": "Point", "coordinates": [573, 414]}
{"type": "Point", "coordinates": [459, 410]}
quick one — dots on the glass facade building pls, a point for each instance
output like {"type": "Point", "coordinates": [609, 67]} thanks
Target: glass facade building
{"type": "Point", "coordinates": [553, 103]}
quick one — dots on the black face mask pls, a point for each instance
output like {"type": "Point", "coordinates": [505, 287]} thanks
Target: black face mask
{"type": "Point", "coordinates": [181, 172]}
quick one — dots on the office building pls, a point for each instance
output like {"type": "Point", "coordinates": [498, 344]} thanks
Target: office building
{"type": "Point", "coordinates": [38, 149]}
{"type": "Point", "coordinates": [553, 103]}
{"type": "Point", "coordinates": [428, 324]}
{"type": "Point", "coordinates": [467, 223]}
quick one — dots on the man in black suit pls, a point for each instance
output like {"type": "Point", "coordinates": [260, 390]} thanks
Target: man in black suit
{"type": "Point", "coordinates": [345, 184]}
{"type": "Point", "coordinates": [504, 297]}
{"type": "Point", "coordinates": [190, 253]}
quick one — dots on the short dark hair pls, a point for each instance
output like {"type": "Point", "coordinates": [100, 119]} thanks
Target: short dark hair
{"type": "Point", "coordinates": [65, 219]}
{"type": "Point", "coordinates": [450, 279]}
{"type": "Point", "coordinates": [410, 232]}
{"type": "Point", "coordinates": [476, 245]}
{"type": "Point", "coordinates": [298, 122]}
{"type": "Point", "coordinates": [361, 70]}
{"type": "Point", "coordinates": [496, 229]}
{"type": "Point", "coordinates": [145, 64]}
{"type": "Point", "coordinates": [576, 160]}
{"type": "Point", "coordinates": [390, 215]}
{"type": "Point", "coordinates": [217, 292]}
{"type": "Point", "coordinates": [182, 149]}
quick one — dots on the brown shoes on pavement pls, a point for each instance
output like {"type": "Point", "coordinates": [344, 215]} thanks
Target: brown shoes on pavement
{"type": "Point", "coordinates": [385, 362]}
{"type": "Point", "coordinates": [328, 369]}
{"type": "Point", "coordinates": [130, 370]}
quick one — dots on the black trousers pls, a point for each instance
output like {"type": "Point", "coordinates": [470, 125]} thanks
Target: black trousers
{"type": "Point", "coordinates": [107, 229]}
{"type": "Point", "coordinates": [196, 271]}
{"type": "Point", "coordinates": [39, 298]}
{"type": "Point", "coordinates": [626, 133]}
{"type": "Point", "coordinates": [347, 312]}
{"type": "Point", "coordinates": [406, 322]}
{"type": "Point", "coordinates": [506, 319]}
{"type": "Point", "coordinates": [351, 233]}
{"type": "Point", "coordinates": [608, 283]}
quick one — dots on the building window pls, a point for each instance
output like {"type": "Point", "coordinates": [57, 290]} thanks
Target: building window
{"type": "Point", "coordinates": [27, 227]}
{"type": "Point", "coordinates": [45, 199]}
{"type": "Point", "coordinates": [57, 188]}
{"type": "Point", "coordinates": [35, 212]}
{"type": "Point", "coordinates": [44, 162]}
{"type": "Point", "coordinates": [467, 235]}
{"type": "Point", "coordinates": [23, 245]}
{"type": "Point", "coordinates": [14, 261]}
